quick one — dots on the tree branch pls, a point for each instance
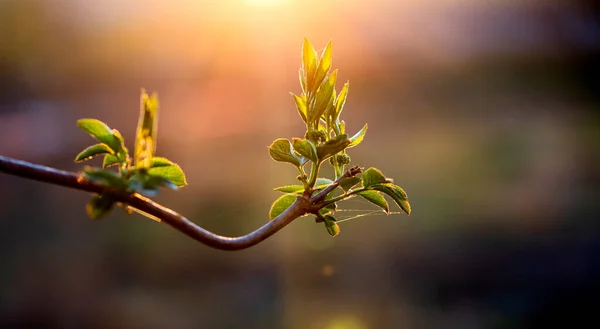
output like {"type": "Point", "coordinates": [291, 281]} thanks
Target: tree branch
{"type": "Point", "coordinates": [77, 181]}
{"type": "Point", "coordinates": [323, 193]}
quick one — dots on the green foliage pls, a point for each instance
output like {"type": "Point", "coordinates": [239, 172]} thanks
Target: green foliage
{"type": "Point", "coordinates": [320, 108]}
{"type": "Point", "coordinates": [375, 198]}
{"type": "Point", "coordinates": [281, 204]}
{"type": "Point", "coordinates": [91, 151]}
{"type": "Point", "coordinates": [144, 174]}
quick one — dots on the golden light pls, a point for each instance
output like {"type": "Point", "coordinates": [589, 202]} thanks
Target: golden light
{"type": "Point", "coordinates": [266, 2]}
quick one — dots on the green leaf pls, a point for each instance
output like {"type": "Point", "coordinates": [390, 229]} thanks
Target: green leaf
{"type": "Point", "coordinates": [101, 132]}
{"type": "Point", "coordinates": [322, 182]}
{"type": "Point", "coordinates": [373, 176]}
{"type": "Point", "coordinates": [332, 227]}
{"type": "Point", "coordinates": [319, 184]}
{"type": "Point", "coordinates": [92, 151]}
{"type": "Point", "coordinates": [309, 66]}
{"type": "Point", "coordinates": [341, 100]}
{"type": "Point", "coordinates": [302, 81]}
{"type": "Point", "coordinates": [396, 193]}
{"type": "Point", "coordinates": [160, 162]}
{"type": "Point", "coordinates": [148, 185]}
{"type": "Point", "coordinates": [324, 64]}
{"type": "Point", "coordinates": [305, 148]}
{"type": "Point", "coordinates": [145, 137]}
{"type": "Point", "coordinates": [332, 146]}
{"type": "Point", "coordinates": [358, 137]}
{"type": "Point", "coordinates": [281, 204]}
{"type": "Point", "coordinates": [172, 173]}
{"type": "Point", "coordinates": [99, 206]}
{"type": "Point", "coordinates": [104, 176]}
{"type": "Point", "coordinates": [281, 150]}
{"type": "Point", "coordinates": [301, 105]}
{"type": "Point", "coordinates": [347, 183]}
{"type": "Point", "coordinates": [324, 98]}
{"type": "Point", "coordinates": [123, 152]}
{"type": "Point", "coordinates": [110, 160]}
{"type": "Point", "coordinates": [290, 188]}
{"type": "Point", "coordinates": [375, 198]}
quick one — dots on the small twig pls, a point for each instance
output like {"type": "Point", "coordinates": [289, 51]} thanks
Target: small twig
{"type": "Point", "coordinates": [324, 192]}
{"type": "Point", "coordinates": [77, 181]}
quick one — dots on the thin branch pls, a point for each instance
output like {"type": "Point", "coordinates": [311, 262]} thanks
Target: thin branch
{"type": "Point", "coordinates": [323, 193]}
{"type": "Point", "coordinates": [77, 181]}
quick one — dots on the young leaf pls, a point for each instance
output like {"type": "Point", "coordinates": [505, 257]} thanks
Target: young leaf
{"type": "Point", "coordinates": [324, 64]}
{"type": "Point", "coordinates": [145, 138]}
{"type": "Point", "coordinates": [92, 151]}
{"type": "Point", "coordinates": [156, 181]}
{"type": "Point", "coordinates": [358, 137]}
{"type": "Point", "coordinates": [281, 204]}
{"type": "Point", "coordinates": [309, 66]}
{"type": "Point", "coordinates": [347, 183]}
{"type": "Point", "coordinates": [137, 184]}
{"type": "Point", "coordinates": [160, 162]}
{"type": "Point", "coordinates": [302, 82]}
{"type": "Point", "coordinates": [290, 189]}
{"type": "Point", "coordinates": [322, 182]}
{"type": "Point", "coordinates": [104, 176]}
{"type": "Point", "coordinates": [332, 227]}
{"type": "Point", "coordinates": [373, 176]}
{"type": "Point", "coordinates": [149, 185]}
{"type": "Point", "coordinates": [301, 106]}
{"type": "Point", "coordinates": [281, 150]}
{"type": "Point", "coordinates": [324, 97]}
{"type": "Point", "coordinates": [99, 206]}
{"type": "Point", "coordinates": [341, 100]}
{"type": "Point", "coordinates": [305, 148]}
{"type": "Point", "coordinates": [375, 198]}
{"type": "Point", "coordinates": [101, 132]}
{"type": "Point", "coordinates": [110, 160]}
{"type": "Point", "coordinates": [332, 146]}
{"type": "Point", "coordinates": [122, 152]}
{"type": "Point", "coordinates": [172, 173]}
{"type": "Point", "coordinates": [396, 193]}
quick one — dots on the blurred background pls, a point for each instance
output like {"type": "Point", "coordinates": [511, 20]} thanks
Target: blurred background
{"type": "Point", "coordinates": [485, 112]}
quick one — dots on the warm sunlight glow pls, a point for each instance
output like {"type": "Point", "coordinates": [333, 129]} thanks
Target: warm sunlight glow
{"type": "Point", "coordinates": [266, 2]}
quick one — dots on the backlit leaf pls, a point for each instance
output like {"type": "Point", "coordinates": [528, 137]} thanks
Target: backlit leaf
{"type": "Point", "coordinates": [161, 162]}
{"type": "Point", "coordinates": [305, 148]}
{"type": "Point", "coordinates": [99, 206]}
{"type": "Point", "coordinates": [281, 150]}
{"type": "Point", "coordinates": [104, 176]}
{"type": "Point", "coordinates": [341, 100]}
{"type": "Point", "coordinates": [100, 131]}
{"type": "Point", "coordinates": [290, 188]}
{"type": "Point", "coordinates": [332, 227]}
{"type": "Point", "coordinates": [375, 198]}
{"type": "Point", "coordinates": [301, 106]}
{"type": "Point", "coordinates": [172, 173]}
{"type": "Point", "coordinates": [92, 151]}
{"type": "Point", "coordinates": [309, 66]}
{"type": "Point", "coordinates": [358, 137]}
{"type": "Point", "coordinates": [281, 204]}
{"type": "Point", "coordinates": [347, 183]}
{"type": "Point", "coordinates": [332, 146]}
{"type": "Point", "coordinates": [396, 193]}
{"type": "Point", "coordinates": [373, 176]}
{"type": "Point", "coordinates": [324, 97]}
{"type": "Point", "coordinates": [324, 64]}
{"type": "Point", "coordinates": [145, 138]}
{"type": "Point", "coordinates": [110, 160]}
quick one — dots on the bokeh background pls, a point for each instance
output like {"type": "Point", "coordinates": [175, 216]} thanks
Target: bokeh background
{"type": "Point", "coordinates": [485, 112]}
